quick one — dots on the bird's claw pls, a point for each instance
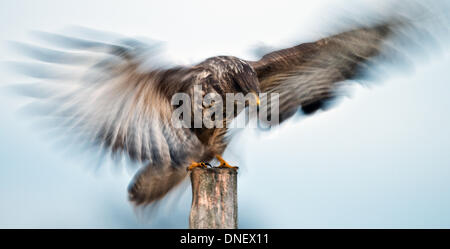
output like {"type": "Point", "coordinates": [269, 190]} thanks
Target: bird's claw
{"type": "Point", "coordinates": [224, 164]}
{"type": "Point", "coordinates": [227, 166]}
{"type": "Point", "coordinates": [197, 165]}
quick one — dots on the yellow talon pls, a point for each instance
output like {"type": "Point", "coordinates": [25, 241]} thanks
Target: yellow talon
{"type": "Point", "coordinates": [224, 164]}
{"type": "Point", "coordinates": [196, 165]}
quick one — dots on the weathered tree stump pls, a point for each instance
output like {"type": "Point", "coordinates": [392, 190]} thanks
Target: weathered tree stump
{"type": "Point", "coordinates": [214, 198]}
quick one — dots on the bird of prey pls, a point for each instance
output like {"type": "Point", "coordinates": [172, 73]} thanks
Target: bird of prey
{"type": "Point", "coordinates": [117, 98]}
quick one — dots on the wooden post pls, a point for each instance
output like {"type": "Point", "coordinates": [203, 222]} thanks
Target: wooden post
{"type": "Point", "coordinates": [214, 198]}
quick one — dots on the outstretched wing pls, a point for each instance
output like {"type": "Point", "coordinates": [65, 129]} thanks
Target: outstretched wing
{"type": "Point", "coordinates": [307, 76]}
{"type": "Point", "coordinates": [114, 97]}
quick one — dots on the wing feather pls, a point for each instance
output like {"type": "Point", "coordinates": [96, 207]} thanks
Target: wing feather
{"type": "Point", "coordinates": [113, 97]}
{"type": "Point", "coordinates": [307, 75]}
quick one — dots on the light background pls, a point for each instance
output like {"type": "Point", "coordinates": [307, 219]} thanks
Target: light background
{"type": "Point", "coordinates": [379, 160]}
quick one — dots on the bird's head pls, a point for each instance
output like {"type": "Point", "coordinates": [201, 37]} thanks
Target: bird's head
{"type": "Point", "coordinates": [237, 77]}
{"type": "Point", "coordinates": [248, 86]}
{"type": "Point", "coordinates": [245, 81]}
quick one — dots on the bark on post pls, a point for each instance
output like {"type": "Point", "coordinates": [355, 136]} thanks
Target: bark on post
{"type": "Point", "coordinates": [214, 198]}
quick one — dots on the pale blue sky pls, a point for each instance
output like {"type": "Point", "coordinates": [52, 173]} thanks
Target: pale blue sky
{"type": "Point", "coordinates": [380, 159]}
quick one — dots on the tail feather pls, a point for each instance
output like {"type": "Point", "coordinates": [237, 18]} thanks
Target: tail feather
{"type": "Point", "coordinates": [153, 183]}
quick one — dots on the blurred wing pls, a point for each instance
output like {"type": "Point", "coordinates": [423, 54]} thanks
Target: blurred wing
{"type": "Point", "coordinates": [307, 76]}
{"type": "Point", "coordinates": [113, 96]}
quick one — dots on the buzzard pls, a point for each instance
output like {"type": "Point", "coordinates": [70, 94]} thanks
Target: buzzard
{"type": "Point", "coordinates": [116, 96]}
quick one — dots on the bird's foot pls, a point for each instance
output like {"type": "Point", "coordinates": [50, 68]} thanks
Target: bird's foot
{"type": "Point", "coordinates": [224, 164]}
{"type": "Point", "coordinates": [196, 165]}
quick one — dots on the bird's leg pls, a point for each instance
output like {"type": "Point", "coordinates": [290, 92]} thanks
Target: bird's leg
{"type": "Point", "coordinates": [224, 164]}
{"type": "Point", "coordinates": [196, 165]}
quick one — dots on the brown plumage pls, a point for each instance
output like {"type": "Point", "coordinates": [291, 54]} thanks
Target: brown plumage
{"type": "Point", "coordinates": [309, 74]}
{"type": "Point", "coordinates": [118, 98]}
